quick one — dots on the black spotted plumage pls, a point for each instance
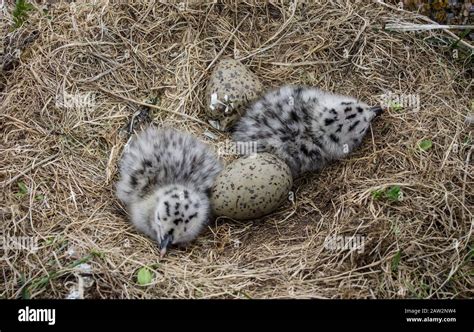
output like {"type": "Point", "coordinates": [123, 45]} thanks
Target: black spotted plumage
{"type": "Point", "coordinates": [304, 126]}
{"type": "Point", "coordinates": [165, 178]}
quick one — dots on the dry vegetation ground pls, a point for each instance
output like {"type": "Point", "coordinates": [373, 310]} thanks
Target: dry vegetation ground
{"type": "Point", "coordinates": [58, 157]}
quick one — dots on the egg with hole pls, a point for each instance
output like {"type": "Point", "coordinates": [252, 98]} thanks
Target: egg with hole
{"type": "Point", "coordinates": [230, 89]}
{"type": "Point", "coordinates": [251, 187]}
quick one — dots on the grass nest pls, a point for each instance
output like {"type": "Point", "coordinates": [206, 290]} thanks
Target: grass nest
{"type": "Point", "coordinates": [68, 103]}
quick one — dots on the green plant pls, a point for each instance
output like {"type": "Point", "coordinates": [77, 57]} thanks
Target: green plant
{"type": "Point", "coordinates": [144, 276]}
{"type": "Point", "coordinates": [395, 106]}
{"type": "Point", "coordinates": [20, 12]}
{"type": "Point", "coordinates": [425, 144]}
{"type": "Point", "coordinates": [41, 282]}
{"type": "Point", "coordinates": [461, 37]}
{"type": "Point", "coordinates": [396, 260]}
{"type": "Point", "coordinates": [97, 253]}
{"type": "Point", "coordinates": [22, 190]}
{"type": "Point", "coordinates": [394, 193]}
{"type": "Point", "coordinates": [25, 292]}
{"type": "Point", "coordinates": [377, 194]}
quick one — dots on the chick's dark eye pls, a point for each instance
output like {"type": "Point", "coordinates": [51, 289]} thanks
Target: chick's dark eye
{"type": "Point", "coordinates": [171, 231]}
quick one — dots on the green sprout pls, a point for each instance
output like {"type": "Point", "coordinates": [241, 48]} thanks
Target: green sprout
{"type": "Point", "coordinates": [22, 190]}
{"type": "Point", "coordinates": [20, 12]}
{"type": "Point", "coordinates": [425, 144]}
{"type": "Point", "coordinates": [393, 193]}
{"type": "Point", "coordinates": [144, 276]}
{"type": "Point", "coordinates": [395, 106]}
{"type": "Point", "coordinates": [396, 260]}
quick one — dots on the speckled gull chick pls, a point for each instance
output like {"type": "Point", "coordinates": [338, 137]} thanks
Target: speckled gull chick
{"type": "Point", "coordinates": [306, 127]}
{"type": "Point", "coordinates": [165, 182]}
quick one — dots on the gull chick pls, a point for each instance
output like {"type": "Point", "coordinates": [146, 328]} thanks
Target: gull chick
{"type": "Point", "coordinates": [306, 127]}
{"type": "Point", "coordinates": [165, 181]}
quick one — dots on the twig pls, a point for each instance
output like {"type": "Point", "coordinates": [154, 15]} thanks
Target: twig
{"type": "Point", "coordinates": [464, 180]}
{"type": "Point", "coordinates": [152, 106]}
{"type": "Point", "coordinates": [426, 19]}
{"type": "Point", "coordinates": [282, 28]}
{"type": "Point", "coordinates": [30, 168]}
{"type": "Point", "coordinates": [407, 26]}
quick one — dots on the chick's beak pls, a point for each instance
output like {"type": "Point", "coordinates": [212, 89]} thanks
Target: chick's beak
{"type": "Point", "coordinates": [165, 243]}
{"type": "Point", "coordinates": [377, 110]}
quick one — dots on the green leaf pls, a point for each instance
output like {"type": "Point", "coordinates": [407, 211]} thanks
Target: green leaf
{"type": "Point", "coordinates": [97, 253]}
{"type": "Point", "coordinates": [40, 282]}
{"type": "Point", "coordinates": [20, 12]}
{"type": "Point", "coordinates": [49, 241]}
{"type": "Point", "coordinates": [144, 276]}
{"type": "Point", "coordinates": [377, 194]}
{"type": "Point", "coordinates": [395, 106]}
{"type": "Point", "coordinates": [247, 296]}
{"type": "Point", "coordinates": [394, 193]}
{"type": "Point", "coordinates": [425, 144]}
{"type": "Point", "coordinates": [25, 293]}
{"type": "Point", "coordinates": [39, 197]}
{"type": "Point", "coordinates": [23, 190]}
{"type": "Point", "coordinates": [470, 255]}
{"type": "Point", "coordinates": [462, 36]}
{"type": "Point", "coordinates": [396, 260]}
{"type": "Point", "coordinates": [153, 100]}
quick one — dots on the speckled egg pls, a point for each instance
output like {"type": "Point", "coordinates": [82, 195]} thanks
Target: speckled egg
{"type": "Point", "coordinates": [251, 187]}
{"type": "Point", "coordinates": [230, 89]}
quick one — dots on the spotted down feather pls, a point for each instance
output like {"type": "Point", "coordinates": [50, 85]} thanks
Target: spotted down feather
{"type": "Point", "coordinates": [306, 127]}
{"type": "Point", "coordinates": [165, 182]}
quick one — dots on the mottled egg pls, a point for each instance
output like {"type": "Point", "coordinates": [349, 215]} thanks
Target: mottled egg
{"type": "Point", "coordinates": [251, 187]}
{"type": "Point", "coordinates": [230, 89]}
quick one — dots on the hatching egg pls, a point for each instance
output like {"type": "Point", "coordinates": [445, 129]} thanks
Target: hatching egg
{"type": "Point", "coordinates": [230, 89]}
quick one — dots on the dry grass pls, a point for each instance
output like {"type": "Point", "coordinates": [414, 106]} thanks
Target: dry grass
{"type": "Point", "coordinates": [67, 157]}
